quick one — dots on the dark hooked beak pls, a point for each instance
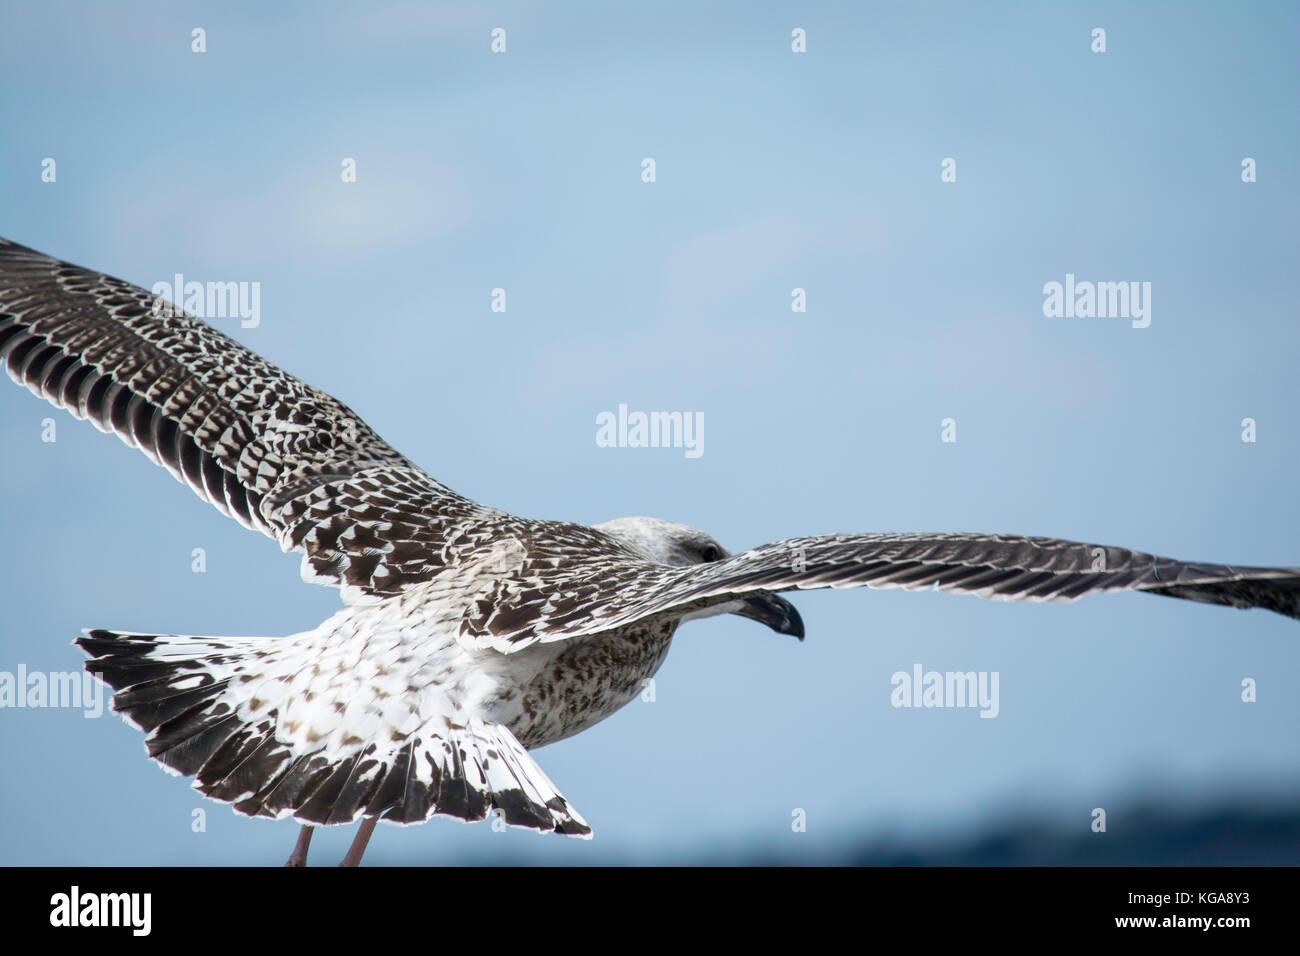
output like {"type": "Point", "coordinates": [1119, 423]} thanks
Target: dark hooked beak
{"type": "Point", "coordinates": [776, 612]}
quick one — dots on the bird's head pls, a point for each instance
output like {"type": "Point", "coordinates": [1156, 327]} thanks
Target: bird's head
{"type": "Point", "coordinates": [679, 545]}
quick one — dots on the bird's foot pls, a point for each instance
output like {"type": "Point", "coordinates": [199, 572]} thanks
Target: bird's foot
{"type": "Point", "coordinates": [299, 855]}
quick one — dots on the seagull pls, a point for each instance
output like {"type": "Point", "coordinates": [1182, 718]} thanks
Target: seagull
{"type": "Point", "coordinates": [468, 636]}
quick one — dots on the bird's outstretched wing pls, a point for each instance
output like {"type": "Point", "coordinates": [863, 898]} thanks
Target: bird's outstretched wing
{"type": "Point", "coordinates": [999, 567]}
{"type": "Point", "coordinates": [262, 446]}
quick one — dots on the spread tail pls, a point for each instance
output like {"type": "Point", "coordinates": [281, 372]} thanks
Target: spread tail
{"type": "Point", "coordinates": [221, 710]}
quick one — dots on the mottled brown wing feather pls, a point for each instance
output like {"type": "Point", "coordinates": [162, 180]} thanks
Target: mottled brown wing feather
{"type": "Point", "coordinates": [999, 567]}
{"type": "Point", "coordinates": [262, 446]}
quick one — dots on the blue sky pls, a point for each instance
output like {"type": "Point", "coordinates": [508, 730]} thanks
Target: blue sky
{"type": "Point", "coordinates": [774, 170]}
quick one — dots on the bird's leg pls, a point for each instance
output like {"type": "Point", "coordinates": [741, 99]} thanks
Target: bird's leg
{"type": "Point", "coordinates": [359, 842]}
{"type": "Point", "coordinates": [299, 855]}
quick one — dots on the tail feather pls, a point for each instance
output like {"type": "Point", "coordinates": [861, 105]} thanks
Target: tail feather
{"type": "Point", "coordinates": [200, 702]}
{"type": "Point", "coordinates": [287, 789]}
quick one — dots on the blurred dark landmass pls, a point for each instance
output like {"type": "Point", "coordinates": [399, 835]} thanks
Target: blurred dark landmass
{"type": "Point", "coordinates": [1142, 835]}
{"type": "Point", "coordinates": [1235, 830]}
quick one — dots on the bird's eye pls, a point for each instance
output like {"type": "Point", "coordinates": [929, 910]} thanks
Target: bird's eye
{"type": "Point", "coordinates": [710, 553]}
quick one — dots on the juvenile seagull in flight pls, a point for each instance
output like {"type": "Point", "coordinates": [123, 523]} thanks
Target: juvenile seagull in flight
{"type": "Point", "coordinates": [468, 636]}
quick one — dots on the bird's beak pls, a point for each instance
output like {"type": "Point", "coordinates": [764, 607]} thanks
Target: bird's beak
{"type": "Point", "coordinates": [776, 612]}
